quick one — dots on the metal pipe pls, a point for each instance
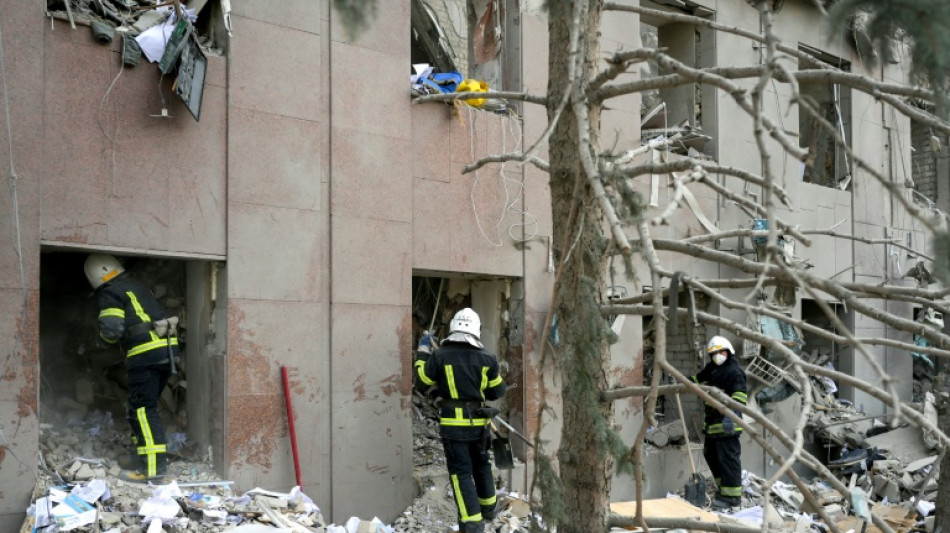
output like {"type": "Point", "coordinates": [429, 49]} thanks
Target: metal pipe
{"type": "Point", "coordinates": [290, 423]}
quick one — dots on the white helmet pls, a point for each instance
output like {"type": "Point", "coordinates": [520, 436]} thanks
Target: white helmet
{"type": "Point", "coordinates": [466, 321]}
{"type": "Point", "coordinates": [100, 268]}
{"type": "Point", "coordinates": [718, 344]}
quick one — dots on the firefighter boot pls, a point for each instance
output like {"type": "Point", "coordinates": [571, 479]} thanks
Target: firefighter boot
{"type": "Point", "coordinates": [472, 527]}
{"type": "Point", "coordinates": [139, 474]}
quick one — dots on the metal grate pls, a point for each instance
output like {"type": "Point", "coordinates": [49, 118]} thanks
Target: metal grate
{"type": "Point", "coordinates": [766, 372]}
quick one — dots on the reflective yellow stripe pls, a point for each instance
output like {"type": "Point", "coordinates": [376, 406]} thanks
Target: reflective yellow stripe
{"type": "Point", "coordinates": [103, 337]}
{"type": "Point", "coordinates": [463, 512]}
{"type": "Point", "coordinates": [739, 396]}
{"type": "Point", "coordinates": [158, 448]}
{"type": "Point", "coordinates": [112, 311]}
{"type": "Point", "coordinates": [151, 345]}
{"type": "Point", "coordinates": [150, 460]}
{"type": "Point", "coordinates": [460, 420]}
{"type": "Point", "coordinates": [421, 371]}
{"type": "Point", "coordinates": [713, 429]}
{"type": "Point", "coordinates": [694, 379]}
{"type": "Point", "coordinates": [495, 382]}
{"type": "Point", "coordinates": [487, 501]}
{"type": "Point", "coordinates": [730, 491]}
{"type": "Point", "coordinates": [450, 377]}
{"type": "Point", "coordinates": [484, 384]}
{"type": "Point", "coordinates": [143, 316]}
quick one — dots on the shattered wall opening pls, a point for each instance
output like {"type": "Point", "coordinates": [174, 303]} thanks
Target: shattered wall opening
{"type": "Point", "coordinates": [466, 36]}
{"type": "Point", "coordinates": [499, 303]}
{"type": "Point", "coordinates": [930, 161]}
{"type": "Point", "coordinates": [828, 164]}
{"type": "Point", "coordinates": [685, 350]}
{"type": "Point", "coordinates": [824, 352]}
{"type": "Point", "coordinates": [83, 390]}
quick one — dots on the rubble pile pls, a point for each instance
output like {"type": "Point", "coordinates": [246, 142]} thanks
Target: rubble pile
{"type": "Point", "coordinates": [78, 488]}
{"type": "Point", "coordinates": [890, 464]}
{"type": "Point", "coordinates": [434, 507]}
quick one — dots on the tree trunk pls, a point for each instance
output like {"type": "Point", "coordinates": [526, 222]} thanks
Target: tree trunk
{"type": "Point", "coordinates": [942, 512]}
{"type": "Point", "coordinates": [583, 355]}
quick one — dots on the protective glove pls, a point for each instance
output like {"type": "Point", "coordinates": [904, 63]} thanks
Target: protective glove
{"type": "Point", "coordinates": [728, 427]}
{"type": "Point", "coordinates": [427, 344]}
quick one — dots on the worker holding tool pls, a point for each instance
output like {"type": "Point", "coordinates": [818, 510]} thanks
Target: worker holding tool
{"type": "Point", "coordinates": [466, 376]}
{"type": "Point", "coordinates": [721, 448]}
{"type": "Point", "coordinates": [130, 316]}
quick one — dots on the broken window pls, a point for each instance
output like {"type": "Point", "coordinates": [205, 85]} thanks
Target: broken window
{"type": "Point", "coordinates": [674, 112]}
{"type": "Point", "coordinates": [828, 163]}
{"type": "Point", "coordinates": [464, 36]}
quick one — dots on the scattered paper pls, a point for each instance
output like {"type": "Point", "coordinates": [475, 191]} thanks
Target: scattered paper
{"type": "Point", "coordinates": [93, 491]}
{"type": "Point", "coordinates": [152, 41]}
{"type": "Point", "coordinates": [925, 508]}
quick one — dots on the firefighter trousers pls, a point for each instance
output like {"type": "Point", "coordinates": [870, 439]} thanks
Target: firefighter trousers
{"type": "Point", "coordinates": [471, 476]}
{"type": "Point", "coordinates": [724, 457]}
{"type": "Point", "coordinates": [146, 384]}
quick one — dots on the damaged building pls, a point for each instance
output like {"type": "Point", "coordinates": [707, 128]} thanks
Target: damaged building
{"type": "Point", "coordinates": [265, 172]}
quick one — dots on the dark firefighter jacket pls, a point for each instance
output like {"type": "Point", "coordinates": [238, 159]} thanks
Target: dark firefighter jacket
{"type": "Point", "coordinates": [466, 377]}
{"type": "Point", "coordinates": [127, 310]}
{"type": "Point", "coordinates": [730, 378]}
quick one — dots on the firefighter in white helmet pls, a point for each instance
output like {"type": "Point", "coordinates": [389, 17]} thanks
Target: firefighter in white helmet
{"type": "Point", "coordinates": [721, 447]}
{"type": "Point", "coordinates": [466, 376]}
{"type": "Point", "coordinates": [128, 313]}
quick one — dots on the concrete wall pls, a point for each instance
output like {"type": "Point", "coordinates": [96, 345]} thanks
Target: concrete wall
{"type": "Point", "coordinates": [22, 46]}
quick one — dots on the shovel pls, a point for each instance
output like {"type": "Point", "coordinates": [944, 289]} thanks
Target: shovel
{"type": "Point", "coordinates": [501, 450]}
{"type": "Point", "coordinates": [695, 489]}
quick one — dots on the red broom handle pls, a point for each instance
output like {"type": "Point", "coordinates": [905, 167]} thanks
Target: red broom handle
{"type": "Point", "coordinates": [290, 423]}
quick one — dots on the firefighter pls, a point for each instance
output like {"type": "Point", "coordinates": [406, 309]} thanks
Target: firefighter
{"type": "Point", "coordinates": [721, 447]}
{"type": "Point", "coordinates": [130, 316]}
{"type": "Point", "coordinates": [466, 377]}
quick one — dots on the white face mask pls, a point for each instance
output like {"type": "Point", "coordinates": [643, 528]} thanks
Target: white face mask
{"type": "Point", "coordinates": [719, 358]}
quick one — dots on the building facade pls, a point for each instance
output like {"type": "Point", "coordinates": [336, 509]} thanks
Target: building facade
{"type": "Point", "coordinates": [311, 198]}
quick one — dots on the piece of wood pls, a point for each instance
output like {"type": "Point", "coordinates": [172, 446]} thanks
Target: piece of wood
{"type": "Point", "coordinates": [689, 449]}
{"type": "Point", "coordinates": [664, 507]}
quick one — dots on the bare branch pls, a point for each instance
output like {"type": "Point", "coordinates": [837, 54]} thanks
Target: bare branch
{"type": "Point", "coordinates": [712, 237]}
{"type": "Point", "coordinates": [506, 95]}
{"type": "Point", "coordinates": [710, 166]}
{"type": "Point", "coordinates": [502, 158]}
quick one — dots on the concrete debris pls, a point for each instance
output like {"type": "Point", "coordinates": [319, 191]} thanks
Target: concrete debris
{"type": "Point", "coordinates": [899, 493]}
{"type": "Point", "coordinates": [163, 33]}
{"type": "Point", "coordinates": [666, 434]}
{"type": "Point", "coordinates": [78, 488]}
{"type": "Point", "coordinates": [434, 509]}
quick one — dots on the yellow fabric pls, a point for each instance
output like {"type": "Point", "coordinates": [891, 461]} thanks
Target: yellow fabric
{"type": "Point", "coordinates": [151, 345]}
{"type": "Point", "coordinates": [150, 459]}
{"type": "Point", "coordinates": [112, 311]}
{"type": "Point", "coordinates": [463, 512]}
{"type": "Point", "coordinates": [143, 316]}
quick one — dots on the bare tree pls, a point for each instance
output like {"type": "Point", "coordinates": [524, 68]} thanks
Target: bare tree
{"type": "Point", "coordinates": [599, 214]}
